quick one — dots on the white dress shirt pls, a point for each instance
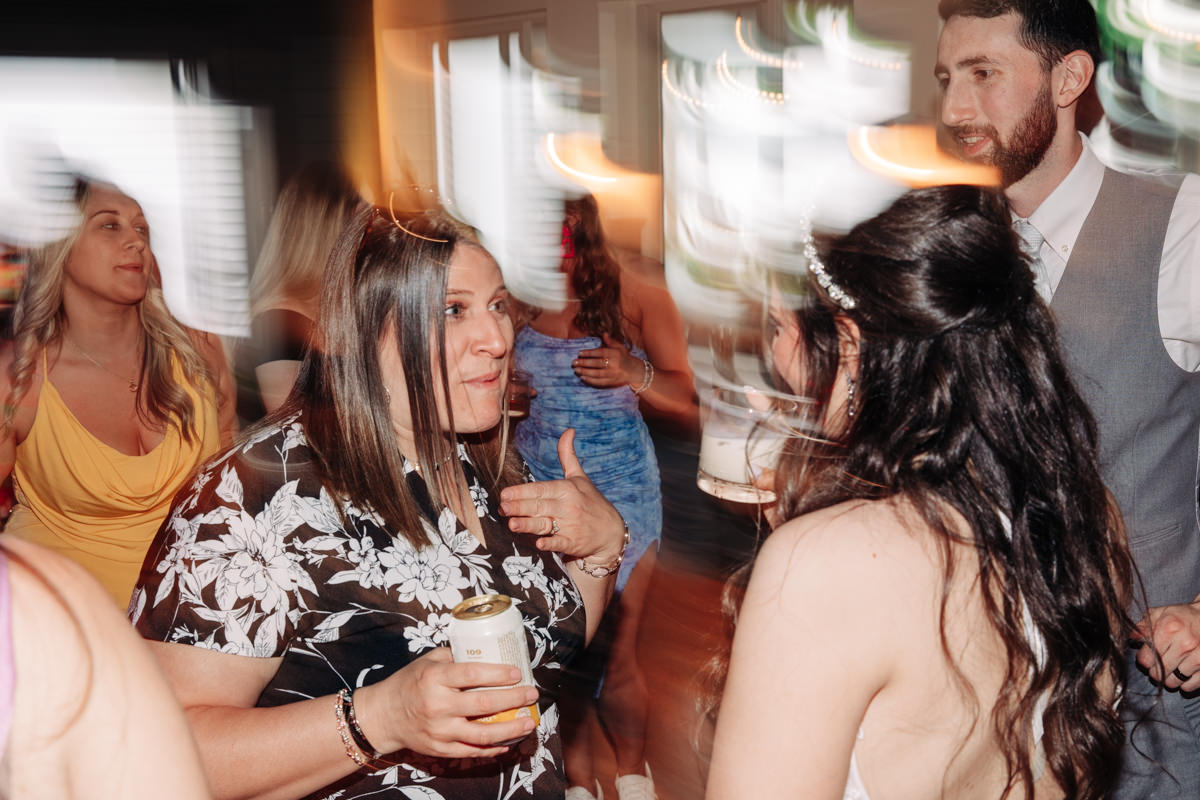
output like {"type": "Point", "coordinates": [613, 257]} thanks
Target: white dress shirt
{"type": "Point", "coordinates": [1060, 218]}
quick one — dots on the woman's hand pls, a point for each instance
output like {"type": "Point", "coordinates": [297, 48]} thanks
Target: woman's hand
{"type": "Point", "coordinates": [609, 366]}
{"type": "Point", "coordinates": [295, 749]}
{"type": "Point", "coordinates": [570, 515]}
{"type": "Point", "coordinates": [574, 519]}
{"type": "Point", "coordinates": [425, 708]}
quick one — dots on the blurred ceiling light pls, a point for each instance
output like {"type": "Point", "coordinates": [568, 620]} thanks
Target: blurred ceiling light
{"type": "Point", "coordinates": [727, 77]}
{"type": "Point", "coordinates": [743, 40]}
{"type": "Point", "coordinates": [1172, 19]}
{"type": "Point", "coordinates": [575, 143]}
{"type": "Point", "coordinates": [909, 154]}
{"type": "Point", "coordinates": [696, 103]}
{"type": "Point", "coordinates": [838, 37]}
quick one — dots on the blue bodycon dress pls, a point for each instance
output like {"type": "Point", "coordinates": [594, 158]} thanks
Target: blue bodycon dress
{"type": "Point", "coordinates": [611, 439]}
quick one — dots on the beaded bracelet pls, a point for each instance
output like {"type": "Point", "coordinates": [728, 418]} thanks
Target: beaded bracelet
{"type": "Point", "coordinates": [358, 749]}
{"type": "Point", "coordinates": [604, 570]}
{"type": "Point", "coordinates": [647, 376]}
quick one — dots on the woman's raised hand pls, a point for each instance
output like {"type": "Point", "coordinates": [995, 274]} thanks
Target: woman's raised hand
{"type": "Point", "coordinates": [608, 366]}
{"type": "Point", "coordinates": [424, 707]}
{"type": "Point", "coordinates": [570, 515]}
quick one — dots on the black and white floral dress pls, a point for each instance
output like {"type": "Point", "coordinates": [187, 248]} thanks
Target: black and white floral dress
{"type": "Point", "coordinates": [253, 560]}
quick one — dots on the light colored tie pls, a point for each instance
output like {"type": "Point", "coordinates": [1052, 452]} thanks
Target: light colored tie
{"type": "Point", "coordinates": [1033, 248]}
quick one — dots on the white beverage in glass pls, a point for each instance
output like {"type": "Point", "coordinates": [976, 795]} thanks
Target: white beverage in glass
{"type": "Point", "coordinates": [733, 450]}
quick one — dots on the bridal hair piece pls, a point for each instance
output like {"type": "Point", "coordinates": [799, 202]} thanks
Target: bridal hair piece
{"type": "Point", "coordinates": [835, 292]}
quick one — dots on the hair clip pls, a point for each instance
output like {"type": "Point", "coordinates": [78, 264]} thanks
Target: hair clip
{"type": "Point", "coordinates": [835, 292]}
{"type": "Point", "coordinates": [406, 230]}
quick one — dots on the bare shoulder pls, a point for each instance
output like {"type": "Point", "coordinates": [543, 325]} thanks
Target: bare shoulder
{"type": "Point", "coordinates": [94, 716]}
{"type": "Point", "coordinates": [652, 310]}
{"type": "Point", "coordinates": [639, 291]}
{"type": "Point", "coordinates": [54, 590]}
{"type": "Point", "coordinates": [858, 552]}
{"type": "Point", "coordinates": [887, 529]}
{"type": "Point", "coordinates": [61, 617]}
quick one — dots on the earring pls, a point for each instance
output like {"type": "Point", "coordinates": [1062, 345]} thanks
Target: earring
{"type": "Point", "coordinates": [849, 397]}
{"type": "Point", "coordinates": [388, 393]}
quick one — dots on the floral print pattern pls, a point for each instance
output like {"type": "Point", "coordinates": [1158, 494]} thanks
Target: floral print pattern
{"type": "Point", "coordinates": [255, 560]}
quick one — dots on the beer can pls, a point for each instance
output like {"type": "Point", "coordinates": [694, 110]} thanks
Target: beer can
{"type": "Point", "coordinates": [488, 629]}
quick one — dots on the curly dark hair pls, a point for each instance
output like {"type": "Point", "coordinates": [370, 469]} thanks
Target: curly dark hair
{"type": "Point", "coordinates": [964, 402]}
{"type": "Point", "coordinates": [595, 272]}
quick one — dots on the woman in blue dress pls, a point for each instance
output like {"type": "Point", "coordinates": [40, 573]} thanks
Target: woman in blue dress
{"type": "Point", "coordinates": [616, 350]}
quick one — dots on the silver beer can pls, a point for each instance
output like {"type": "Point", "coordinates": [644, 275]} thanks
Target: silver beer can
{"type": "Point", "coordinates": [488, 629]}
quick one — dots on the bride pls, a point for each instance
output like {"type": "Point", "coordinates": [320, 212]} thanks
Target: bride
{"type": "Point", "coordinates": [944, 613]}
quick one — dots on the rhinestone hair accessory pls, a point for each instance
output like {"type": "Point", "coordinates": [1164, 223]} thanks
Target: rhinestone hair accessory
{"type": "Point", "coordinates": [835, 292]}
{"type": "Point", "coordinates": [406, 230]}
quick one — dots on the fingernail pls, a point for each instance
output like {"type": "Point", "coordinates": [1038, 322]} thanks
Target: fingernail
{"type": "Point", "coordinates": [531, 696]}
{"type": "Point", "coordinates": [528, 725]}
{"type": "Point", "coordinates": [514, 674]}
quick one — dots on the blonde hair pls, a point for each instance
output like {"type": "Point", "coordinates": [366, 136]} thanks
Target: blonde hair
{"type": "Point", "coordinates": [39, 320]}
{"type": "Point", "coordinates": [312, 211]}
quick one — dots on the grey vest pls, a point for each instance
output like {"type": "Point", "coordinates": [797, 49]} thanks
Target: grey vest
{"type": "Point", "coordinates": [1148, 409]}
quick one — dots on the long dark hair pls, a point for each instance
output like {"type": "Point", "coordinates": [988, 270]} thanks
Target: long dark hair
{"type": "Point", "coordinates": [964, 402]}
{"type": "Point", "coordinates": [387, 274]}
{"type": "Point", "coordinates": [595, 272]}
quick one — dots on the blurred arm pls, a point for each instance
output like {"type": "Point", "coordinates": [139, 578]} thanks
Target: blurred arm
{"type": "Point", "coordinates": [275, 382]}
{"type": "Point", "coordinates": [671, 394]}
{"type": "Point", "coordinates": [94, 716]}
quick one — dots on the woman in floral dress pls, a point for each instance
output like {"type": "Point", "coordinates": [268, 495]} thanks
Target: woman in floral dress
{"type": "Point", "coordinates": [300, 591]}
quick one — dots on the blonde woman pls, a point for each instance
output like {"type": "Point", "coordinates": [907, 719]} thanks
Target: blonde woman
{"type": "Point", "coordinates": [312, 211]}
{"type": "Point", "coordinates": [110, 402]}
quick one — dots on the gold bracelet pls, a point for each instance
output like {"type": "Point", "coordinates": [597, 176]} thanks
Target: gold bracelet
{"type": "Point", "coordinates": [604, 570]}
{"type": "Point", "coordinates": [352, 752]}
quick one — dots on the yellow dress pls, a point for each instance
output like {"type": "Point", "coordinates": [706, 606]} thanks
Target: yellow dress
{"type": "Point", "coordinates": [93, 503]}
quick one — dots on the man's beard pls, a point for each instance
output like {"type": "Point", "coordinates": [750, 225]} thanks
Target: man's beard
{"type": "Point", "coordinates": [1030, 140]}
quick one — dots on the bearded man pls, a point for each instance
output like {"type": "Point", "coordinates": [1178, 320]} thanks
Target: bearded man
{"type": "Point", "coordinates": [1118, 258]}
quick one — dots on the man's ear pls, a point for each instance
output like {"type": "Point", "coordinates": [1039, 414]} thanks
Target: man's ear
{"type": "Point", "coordinates": [1071, 77]}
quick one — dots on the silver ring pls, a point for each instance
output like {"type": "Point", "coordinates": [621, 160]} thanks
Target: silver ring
{"type": "Point", "coordinates": [606, 363]}
{"type": "Point", "coordinates": [553, 526]}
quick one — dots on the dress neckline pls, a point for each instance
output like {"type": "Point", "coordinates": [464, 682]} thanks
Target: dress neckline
{"type": "Point", "coordinates": [58, 398]}
{"type": "Point", "coordinates": [567, 339]}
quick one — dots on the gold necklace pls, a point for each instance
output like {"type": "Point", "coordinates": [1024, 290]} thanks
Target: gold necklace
{"type": "Point", "coordinates": [133, 386]}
